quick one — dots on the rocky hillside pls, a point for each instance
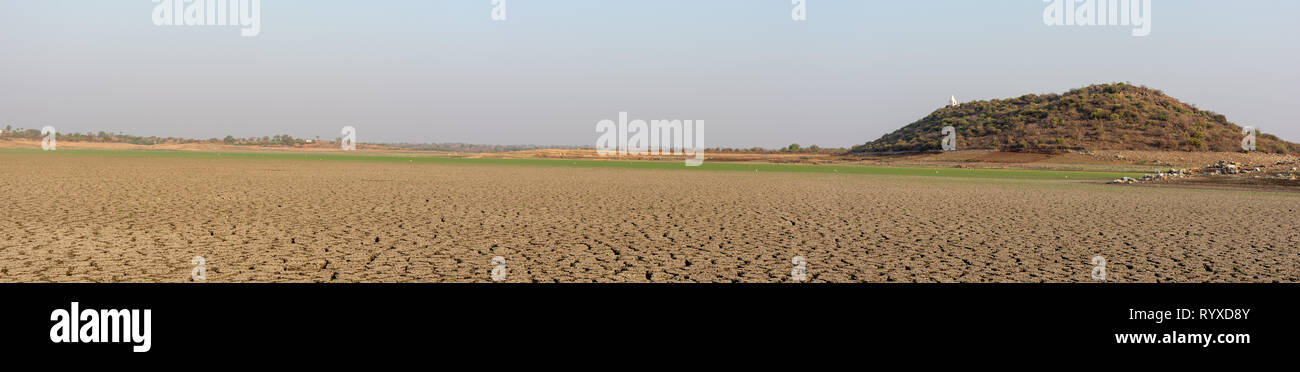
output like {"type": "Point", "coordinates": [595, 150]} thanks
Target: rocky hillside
{"type": "Point", "coordinates": [1099, 117]}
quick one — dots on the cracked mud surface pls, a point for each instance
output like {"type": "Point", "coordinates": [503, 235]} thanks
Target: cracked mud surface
{"type": "Point", "coordinates": [86, 218]}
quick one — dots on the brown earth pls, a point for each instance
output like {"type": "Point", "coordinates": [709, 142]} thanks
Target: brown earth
{"type": "Point", "coordinates": [80, 218]}
{"type": "Point", "coordinates": [1232, 183]}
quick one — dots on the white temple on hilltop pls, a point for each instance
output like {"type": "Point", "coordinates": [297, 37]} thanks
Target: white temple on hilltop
{"type": "Point", "coordinates": [952, 101]}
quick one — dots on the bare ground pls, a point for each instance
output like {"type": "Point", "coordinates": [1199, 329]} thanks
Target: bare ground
{"type": "Point", "coordinates": [142, 219]}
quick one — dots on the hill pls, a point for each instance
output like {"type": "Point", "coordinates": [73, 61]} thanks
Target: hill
{"type": "Point", "coordinates": [1099, 117]}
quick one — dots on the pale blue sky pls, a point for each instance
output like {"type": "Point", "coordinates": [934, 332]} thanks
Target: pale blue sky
{"type": "Point", "coordinates": [443, 71]}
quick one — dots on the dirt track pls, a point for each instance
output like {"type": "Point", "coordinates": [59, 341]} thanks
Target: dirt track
{"type": "Point", "coordinates": [140, 219]}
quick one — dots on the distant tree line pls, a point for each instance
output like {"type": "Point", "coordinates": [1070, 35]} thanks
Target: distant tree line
{"type": "Point", "coordinates": [467, 147]}
{"type": "Point", "coordinates": [287, 140]}
{"type": "Point", "coordinates": [35, 134]}
{"type": "Point", "coordinates": [793, 148]}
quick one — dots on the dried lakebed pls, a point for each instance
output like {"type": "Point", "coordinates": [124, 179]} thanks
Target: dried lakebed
{"type": "Point", "coordinates": [90, 217]}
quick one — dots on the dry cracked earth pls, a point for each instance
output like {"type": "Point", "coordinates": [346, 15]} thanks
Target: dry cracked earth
{"type": "Point", "coordinates": [142, 219]}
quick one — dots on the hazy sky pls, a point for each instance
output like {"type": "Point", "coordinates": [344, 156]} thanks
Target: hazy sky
{"type": "Point", "coordinates": [444, 71]}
